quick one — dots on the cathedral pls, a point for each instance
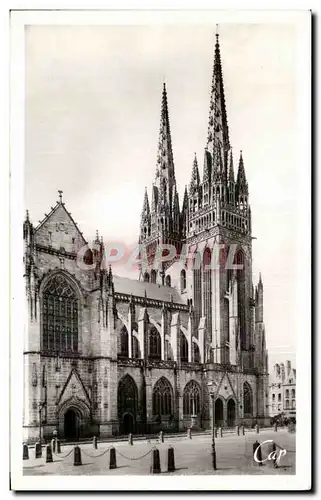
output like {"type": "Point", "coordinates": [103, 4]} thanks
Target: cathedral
{"type": "Point", "coordinates": [182, 346]}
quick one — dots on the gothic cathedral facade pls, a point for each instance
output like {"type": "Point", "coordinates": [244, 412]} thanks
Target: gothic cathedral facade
{"type": "Point", "coordinates": [106, 355]}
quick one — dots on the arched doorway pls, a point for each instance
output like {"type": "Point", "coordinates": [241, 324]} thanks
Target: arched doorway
{"type": "Point", "coordinates": [71, 425]}
{"type": "Point", "coordinates": [128, 423]}
{"type": "Point", "coordinates": [231, 413]}
{"type": "Point", "coordinates": [127, 404]}
{"type": "Point", "coordinates": [219, 419]}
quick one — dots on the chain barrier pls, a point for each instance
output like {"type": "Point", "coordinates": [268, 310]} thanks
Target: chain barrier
{"type": "Point", "coordinates": [63, 456]}
{"type": "Point", "coordinates": [96, 456]}
{"type": "Point", "coordinates": [134, 458]}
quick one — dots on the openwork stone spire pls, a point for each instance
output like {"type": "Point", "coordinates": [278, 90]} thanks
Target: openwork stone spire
{"type": "Point", "coordinates": [218, 134]}
{"type": "Point", "coordinates": [165, 162]}
{"type": "Point", "coordinates": [241, 183]}
{"type": "Point", "coordinates": [195, 178]}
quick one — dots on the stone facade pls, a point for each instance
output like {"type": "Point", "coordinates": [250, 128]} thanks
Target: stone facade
{"type": "Point", "coordinates": [106, 355]}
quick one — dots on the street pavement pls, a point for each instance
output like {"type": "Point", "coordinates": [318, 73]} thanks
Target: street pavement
{"type": "Point", "coordinates": [234, 455]}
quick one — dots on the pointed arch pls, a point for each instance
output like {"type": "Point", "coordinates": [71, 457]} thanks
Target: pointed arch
{"type": "Point", "coordinates": [146, 277]}
{"type": "Point", "coordinates": [127, 396]}
{"type": "Point", "coordinates": [192, 398]}
{"type": "Point", "coordinates": [247, 399]}
{"type": "Point", "coordinates": [184, 348]}
{"type": "Point", "coordinates": [162, 397]}
{"type": "Point", "coordinates": [153, 275]}
{"type": "Point", "coordinates": [168, 280]}
{"type": "Point", "coordinates": [124, 342]}
{"type": "Point", "coordinates": [183, 280]}
{"type": "Point", "coordinates": [60, 301]}
{"type": "Point", "coordinates": [207, 288]}
{"type": "Point", "coordinates": [240, 261]}
{"type": "Point", "coordinates": [154, 344]}
{"type": "Point", "coordinates": [196, 353]}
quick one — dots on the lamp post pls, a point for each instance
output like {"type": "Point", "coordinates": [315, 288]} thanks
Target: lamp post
{"type": "Point", "coordinates": [213, 394]}
{"type": "Point", "coordinates": [41, 405]}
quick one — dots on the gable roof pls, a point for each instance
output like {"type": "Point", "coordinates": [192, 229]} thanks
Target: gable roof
{"type": "Point", "coordinates": [58, 205]}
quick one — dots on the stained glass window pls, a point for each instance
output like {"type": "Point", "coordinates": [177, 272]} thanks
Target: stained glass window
{"type": "Point", "coordinates": [191, 398]}
{"type": "Point", "coordinates": [162, 398]}
{"type": "Point", "coordinates": [124, 342]}
{"type": "Point", "coordinates": [184, 348]}
{"type": "Point", "coordinates": [127, 395]}
{"type": "Point", "coordinates": [59, 316]}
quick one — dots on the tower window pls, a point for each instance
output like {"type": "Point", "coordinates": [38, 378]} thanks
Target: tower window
{"type": "Point", "coordinates": [168, 280]}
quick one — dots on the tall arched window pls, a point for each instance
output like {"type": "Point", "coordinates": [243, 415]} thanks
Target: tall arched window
{"type": "Point", "coordinates": [153, 276]}
{"type": "Point", "coordinates": [192, 399]}
{"type": "Point", "coordinates": [241, 297]}
{"type": "Point", "coordinates": [184, 348]}
{"type": "Point", "coordinates": [287, 393]}
{"type": "Point", "coordinates": [207, 289]}
{"type": "Point", "coordinates": [154, 344]}
{"type": "Point", "coordinates": [135, 349]}
{"type": "Point", "coordinates": [162, 397]}
{"type": "Point", "coordinates": [146, 277]}
{"type": "Point", "coordinates": [168, 280]}
{"type": "Point", "coordinates": [59, 316]}
{"type": "Point", "coordinates": [196, 353]}
{"type": "Point", "coordinates": [197, 288]}
{"type": "Point", "coordinates": [292, 393]}
{"type": "Point", "coordinates": [248, 399]}
{"type": "Point", "coordinates": [183, 280]}
{"type": "Point", "coordinates": [124, 342]}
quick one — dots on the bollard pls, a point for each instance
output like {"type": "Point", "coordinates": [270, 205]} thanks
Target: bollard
{"type": "Point", "coordinates": [189, 433]}
{"type": "Point", "coordinates": [95, 442]}
{"type": "Point", "coordinates": [238, 430]}
{"type": "Point", "coordinates": [257, 428]}
{"type": "Point", "coordinates": [58, 447]}
{"type": "Point", "coordinates": [258, 453]}
{"type": "Point", "coordinates": [48, 454]}
{"type": "Point", "coordinates": [112, 458]}
{"type": "Point", "coordinates": [275, 427]}
{"type": "Point", "coordinates": [155, 463]}
{"type": "Point", "coordinates": [38, 450]}
{"type": "Point", "coordinates": [53, 445]}
{"type": "Point", "coordinates": [272, 454]}
{"type": "Point", "coordinates": [170, 459]}
{"type": "Point", "coordinates": [161, 437]}
{"type": "Point", "coordinates": [77, 456]}
{"type": "Point", "coordinates": [220, 432]}
{"type": "Point", "coordinates": [130, 439]}
{"type": "Point", "coordinates": [25, 451]}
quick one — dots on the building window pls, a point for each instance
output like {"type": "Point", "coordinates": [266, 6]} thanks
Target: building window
{"type": "Point", "coordinates": [273, 397]}
{"type": "Point", "coordinates": [287, 393]}
{"type": "Point", "coordinates": [153, 276]}
{"type": "Point", "coordinates": [124, 342]}
{"type": "Point", "coordinates": [290, 381]}
{"type": "Point", "coordinates": [287, 404]}
{"type": "Point", "coordinates": [207, 288]}
{"type": "Point", "coordinates": [293, 393]}
{"type": "Point", "coordinates": [168, 280]}
{"type": "Point", "coordinates": [184, 348]}
{"type": "Point", "coordinates": [154, 344]}
{"type": "Point", "coordinates": [191, 398]}
{"type": "Point", "coordinates": [293, 403]}
{"type": "Point", "coordinates": [196, 353]}
{"type": "Point", "coordinates": [146, 277]}
{"type": "Point", "coordinates": [59, 316]}
{"type": "Point", "coordinates": [248, 399]}
{"type": "Point", "coordinates": [279, 397]}
{"type": "Point", "coordinates": [162, 398]}
{"type": "Point", "coordinates": [183, 280]}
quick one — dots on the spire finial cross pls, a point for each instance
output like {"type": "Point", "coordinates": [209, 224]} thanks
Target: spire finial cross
{"type": "Point", "coordinates": [60, 195]}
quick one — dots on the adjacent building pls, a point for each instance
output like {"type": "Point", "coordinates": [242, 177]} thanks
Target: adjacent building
{"type": "Point", "coordinates": [282, 390]}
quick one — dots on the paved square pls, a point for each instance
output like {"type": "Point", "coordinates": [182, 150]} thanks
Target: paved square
{"type": "Point", "coordinates": [234, 456]}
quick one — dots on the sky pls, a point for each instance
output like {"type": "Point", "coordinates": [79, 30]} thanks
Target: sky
{"type": "Point", "coordinates": [92, 114]}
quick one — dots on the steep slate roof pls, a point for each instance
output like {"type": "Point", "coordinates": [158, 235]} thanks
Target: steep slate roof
{"type": "Point", "coordinates": [153, 291]}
